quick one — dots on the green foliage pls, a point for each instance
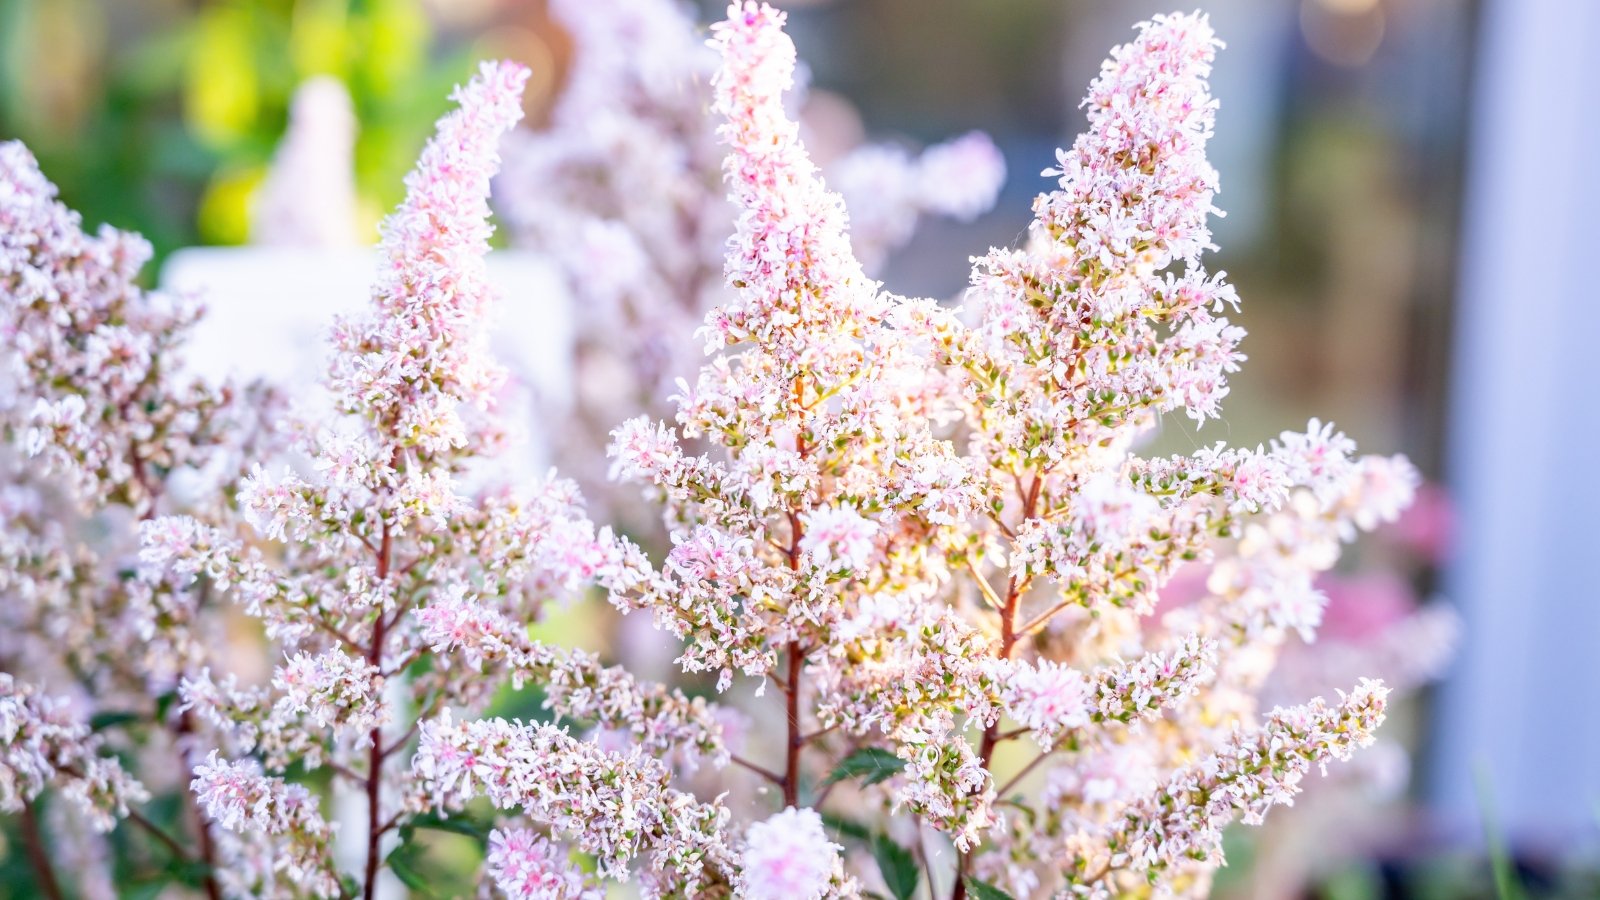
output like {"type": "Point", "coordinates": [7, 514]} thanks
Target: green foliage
{"type": "Point", "coordinates": [437, 855]}
{"type": "Point", "coordinates": [898, 868]}
{"type": "Point", "coordinates": [162, 119]}
{"type": "Point", "coordinates": [872, 764]}
{"type": "Point", "coordinates": [1500, 863]}
{"type": "Point", "coordinates": [845, 829]}
{"type": "Point", "coordinates": [983, 890]}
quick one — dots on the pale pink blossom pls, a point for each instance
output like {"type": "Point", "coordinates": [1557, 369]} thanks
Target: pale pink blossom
{"type": "Point", "coordinates": [623, 189]}
{"type": "Point", "coordinates": [333, 689]}
{"type": "Point", "coordinates": [239, 798]}
{"type": "Point", "coordinates": [788, 856]}
{"type": "Point", "coordinates": [527, 866]}
{"type": "Point", "coordinates": [1318, 458]}
{"type": "Point", "coordinates": [1050, 697]}
{"type": "Point", "coordinates": [838, 538]}
{"type": "Point", "coordinates": [43, 743]}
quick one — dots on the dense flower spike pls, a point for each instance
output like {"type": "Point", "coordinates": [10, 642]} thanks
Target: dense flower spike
{"type": "Point", "coordinates": [89, 380]}
{"type": "Point", "coordinates": [914, 544]}
{"type": "Point", "coordinates": [1181, 822]}
{"type": "Point", "coordinates": [420, 354]}
{"type": "Point", "coordinates": [386, 561]}
{"type": "Point", "coordinates": [102, 430]}
{"type": "Point", "coordinates": [661, 722]}
{"type": "Point", "coordinates": [830, 539]}
{"type": "Point", "coordinates": [623, 189]}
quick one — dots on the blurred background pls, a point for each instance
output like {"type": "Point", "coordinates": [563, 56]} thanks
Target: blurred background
{"type": "Point", "coordinates": [1410, 189]}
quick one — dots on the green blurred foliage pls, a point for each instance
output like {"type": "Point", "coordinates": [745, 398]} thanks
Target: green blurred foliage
{"type": "Point", "coordinates": [161, 117]}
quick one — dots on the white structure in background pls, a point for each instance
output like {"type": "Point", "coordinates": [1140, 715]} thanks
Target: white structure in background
{"type": "Point", "coordinates": [309, 196]}
{"type": "Point", "coordinates": [268, 308]}
{"type": "Point", "coordinates": [1523, 708]}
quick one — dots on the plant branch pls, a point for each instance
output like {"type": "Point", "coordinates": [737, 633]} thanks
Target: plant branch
{"type": "Point", "coordinates": [44, 876]}
{"type": "Point", "coordinates": [1013, 780]}
{"type": "Point", "coordinates": [376, 754]}
{"type": "Point", "coordinates": [763, 771]}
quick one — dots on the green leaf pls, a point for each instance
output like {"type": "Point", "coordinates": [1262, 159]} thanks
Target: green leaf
{"type": "Point", "coordinates": [150, 890]}
{"type": "Point", "coordinates": [983, 890]}
{"type": "Point", "coordinates": [164, 704]}
{"type": "Point", "coordinates": [899, 870]}
{"type": "Point", "coordinates": [875, 763]}
{"type": "Point", "coordinates": [843, 827]}
{"type": "Point", "coordinates": [193, 874]}
{"type": "Point", "coordinates": [100, 721]}
{"type": "Point", "coordinates": [400, 863]}
{"type": "Point", "coordinates": [453, 824]}
{"type": "Point", "coordinates": [1501, 865]}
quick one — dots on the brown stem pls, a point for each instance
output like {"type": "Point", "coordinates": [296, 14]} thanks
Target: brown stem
{"type": "Point", "coordinates": [791, 765]}
{"type": "Point", "coordinates": [791, 687]}
{"type": "Point", "coordinates": [374, 830]}
{"type": "Point", "coordinates": [404, 664]}
{"type": "Point", "coordinates": [763, 771]}
{"type": "Point", "coordinates": [392, 823]}
{"type": "Point", "coordinates": [167, 840]}
{"type": "Point", "coordinates": [1001, 792]}
{"type": "Point", "coordinates": [1098, 874]}
{"type": "Point", "coordinates": [400, 743]}
{"type": "Point", "coordinates": [983, 584]}
{"type": "Point", "coordinates": [33, 840]}
{"type": "Point", "coordinates": [819, 733]}
{"type": "Point", "coordinates": [338, 635]}
{"type": "Point", "coordinates": [927, 864]}
{"type": "Point", "coordinates": [1043, 619]}
{"type": "Point", "coordinates": [344, 771]}
{"type": "Point", "coordinates": [202, 823]}
{"type": "Point", "coordinates": [1008, 644]}
{"type": "Point", "coordinates": [376, 754]}
{"type": "Point", "coordinates": [141, 477]}
{"type": "Point", "coordinates": [134, 816]}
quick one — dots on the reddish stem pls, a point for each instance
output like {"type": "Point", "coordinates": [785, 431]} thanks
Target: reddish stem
{"type": "Point", "coordinates": [202, 823]}
{"type": "Point", "coordinates": [763, 771]}
{"type": "Point", "coordinates": [1008, 644]}
{"type": "Point", "coordinates": [791, 687]}
{"type": "Point", "coordinates": [376, 754]}
{"type": "Point", "coordinates": [33, 841]}
{"type": "Point", "coordinates": [791, 766]}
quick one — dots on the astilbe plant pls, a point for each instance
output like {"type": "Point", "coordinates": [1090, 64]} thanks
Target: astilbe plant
{"type": "Point", "coordinates": [923, 531]}
{"type": "Point", "coordinates": [921, 534]}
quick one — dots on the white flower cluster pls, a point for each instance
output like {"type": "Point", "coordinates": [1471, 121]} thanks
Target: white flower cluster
{"type": "Point", "coordinates": [42, 743]}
